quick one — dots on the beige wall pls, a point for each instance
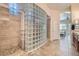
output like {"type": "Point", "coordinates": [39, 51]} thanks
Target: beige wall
{"type": "Point", "coordinates": [55, 26]}
{"type": "Point", "coordinates": [75, 12]}
{"type": "Point", "coordinates": [9, 32]}
{"type": "Point", "coordinates": [54, 14]}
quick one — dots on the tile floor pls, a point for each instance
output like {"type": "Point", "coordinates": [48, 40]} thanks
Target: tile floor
{"type": "Point", "coordinates": [61, 47]}
{"type": "Point", "coordinates": [50, 48]}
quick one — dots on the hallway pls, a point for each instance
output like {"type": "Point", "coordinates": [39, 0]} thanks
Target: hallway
{"type": "Point", "coordinates": [29, 27]}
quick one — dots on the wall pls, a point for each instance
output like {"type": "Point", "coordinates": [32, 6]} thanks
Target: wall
{"type": "Point", "coordinates": [75, 12]}
{"type": "Point", "coordinates": [56, 24]}
{"type": "Point", "coordinates": [55, 16]}
{"type": "Point", "coordinates": [9, 32]}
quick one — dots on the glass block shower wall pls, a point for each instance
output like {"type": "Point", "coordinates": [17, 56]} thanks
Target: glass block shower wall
{"type": "Point", "coordinates": [35, 26]}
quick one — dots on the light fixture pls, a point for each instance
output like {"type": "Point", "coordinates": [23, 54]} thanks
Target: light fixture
{"type": "Point", "coordinates": [68, 12]}
{"type": "Point", "coordinates": [76, 21]}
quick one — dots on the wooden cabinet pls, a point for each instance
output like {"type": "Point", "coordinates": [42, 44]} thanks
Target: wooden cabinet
{"type": "Point", "coordinates": [76, 41]}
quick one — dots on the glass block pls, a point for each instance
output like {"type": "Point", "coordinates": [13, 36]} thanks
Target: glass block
{"type": "Point", "coordinates": [36, 26]}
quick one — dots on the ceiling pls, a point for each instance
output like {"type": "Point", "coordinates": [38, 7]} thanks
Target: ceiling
{"type": "Point", "coordinates": [58, 6]}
